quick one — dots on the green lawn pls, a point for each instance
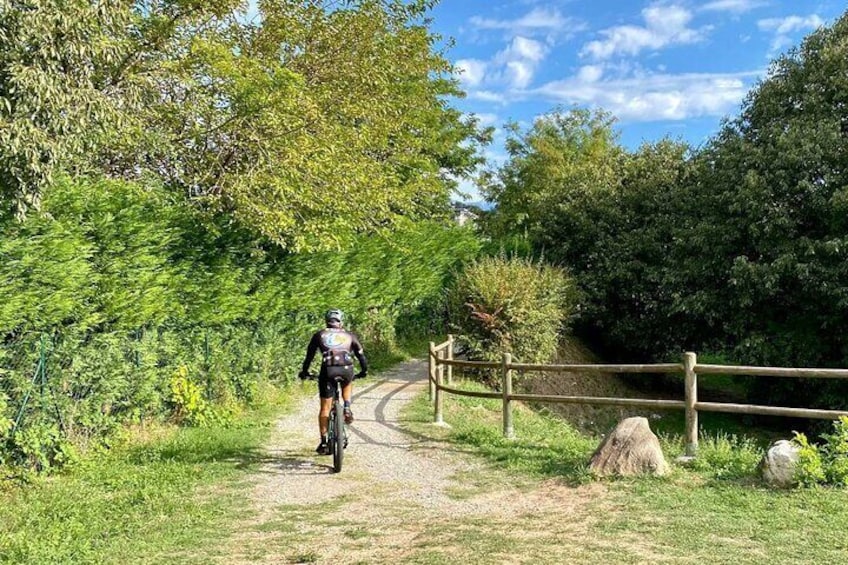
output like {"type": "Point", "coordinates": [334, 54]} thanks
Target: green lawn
{"type": "Point", "coordinates": [155, 501]}
{"type": "Point", "coordinates": [715, 512]}
{"type": "Point", "coordinates": [167, 498]}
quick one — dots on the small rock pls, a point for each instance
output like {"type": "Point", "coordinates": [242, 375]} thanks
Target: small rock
{"type": "Point", "coordinates": [778, 464]}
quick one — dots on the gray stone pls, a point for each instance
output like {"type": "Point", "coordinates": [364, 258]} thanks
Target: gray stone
{"type": "Point", "coordinates": [779, 462]}
{"type": "Point", "coordinates": [631, 449]}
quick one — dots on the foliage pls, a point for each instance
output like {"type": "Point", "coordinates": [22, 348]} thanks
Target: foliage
{"type": "Point", "coordinates": [727, 457]}
{"type": "Point", "coordinates": [566, 156]}
{"type": "Point", "coordinates": [5, 422]}
{"type": "Point", "coordinates": [54, 98]}
{"type": "Point", "coordinates": [266, 121]}
{"type": "Point", "coordinates": [810, 467]}
{"type": "Point", "coordinates": [187, 399]}
{"type": "Point", "coordinates": [736, 249]}
{"type": "Point", "coordinates": [117, 285]}
{"type": "Point", "coordinates": [826, 464]}
{"type": "Point", "coordinates": [604, 213]}
{"type": "Point", "coordinates": [501, 305]}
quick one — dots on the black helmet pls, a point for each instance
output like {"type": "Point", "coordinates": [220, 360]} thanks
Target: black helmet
{"type": "Point", "coordinates": [334, 314]}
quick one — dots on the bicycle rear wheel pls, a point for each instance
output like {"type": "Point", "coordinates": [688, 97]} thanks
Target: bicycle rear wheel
{"type": "Point", "coordinates": [338, 435]}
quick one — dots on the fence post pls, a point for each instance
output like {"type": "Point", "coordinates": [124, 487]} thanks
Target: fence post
{"type": "Point", "coordinates": [440, 396]}
{"type": "Point", "coordinates": [450, 358]}
{"type": "Point", "coordinates": [506, 388]}
{"type": "Point", "coordinates": [691, 385]}
{"type": "Point", "coordinates": [432, 358]}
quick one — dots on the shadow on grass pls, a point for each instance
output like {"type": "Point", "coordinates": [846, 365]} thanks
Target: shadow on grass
{"type": "Point", "coordinates": [220, 446]}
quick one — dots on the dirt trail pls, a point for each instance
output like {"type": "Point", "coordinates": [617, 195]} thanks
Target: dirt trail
{"type": "Point", "coordinates": [401, 497]}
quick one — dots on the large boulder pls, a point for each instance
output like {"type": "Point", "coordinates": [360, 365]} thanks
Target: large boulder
{"type": "Point", "coordinates": [779, 462]}
{"type": "Point", "coordinates": [631, 449]}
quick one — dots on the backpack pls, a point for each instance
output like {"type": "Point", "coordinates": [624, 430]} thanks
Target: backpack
{"type": "Point", "coordinates": [337, 360]}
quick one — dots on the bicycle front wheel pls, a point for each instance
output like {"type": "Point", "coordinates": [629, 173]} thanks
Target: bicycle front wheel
{"type": "Point", "coordinates": [338, 433]}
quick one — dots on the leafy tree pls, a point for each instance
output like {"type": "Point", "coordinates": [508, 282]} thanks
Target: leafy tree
{"type": "Point", "coordinates": [319, 121]}
{"type": "Point", "coordinates": [52, 96]}
{"type": "Point", "coordinates": [605, 214]}
{"type": "Point", "coordinates": [315, 122]}
{"type": "Point", "coordinates": [566, 156]}
{"type": "Point", "coordinates": [772, 190]}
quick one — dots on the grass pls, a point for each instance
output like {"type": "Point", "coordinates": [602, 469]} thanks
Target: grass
{"type": "Point", "coordinates": [546, 446]}
{"type": "Point", "coordinates": [161, 496]}
{"type": "Point", "coordinates": [169, 497]}
{"type": "Point", "coordinates": [717, 510]}
{"type": "Point", "coordinates": [159, 500]}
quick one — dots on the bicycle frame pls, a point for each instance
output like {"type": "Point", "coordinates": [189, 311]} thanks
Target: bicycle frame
{"type": "Point", "coordinates": [337, 429]}
{"type": "Point", "coordinates": [336, 425]}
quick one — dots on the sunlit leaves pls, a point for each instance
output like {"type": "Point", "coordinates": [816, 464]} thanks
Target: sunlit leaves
{"type": "Point", "coordinates": [310, 124]}
{"type": "Point", "coordinates": [52, 100]}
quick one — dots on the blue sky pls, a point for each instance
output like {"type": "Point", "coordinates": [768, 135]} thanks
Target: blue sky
{"type": "Point", "coordinates": [663, 68]}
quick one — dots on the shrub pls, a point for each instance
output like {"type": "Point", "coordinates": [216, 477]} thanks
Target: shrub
{"type": "Point", "coordinates": [6, 422]}
{"type": "Point", "coordinates": [510, 305]}
{"type": "Point", "coordinates": [189, 405]}
{"type": "Point", "coordinates": [728, 456]}
{"type": "Point", "coordinates": [826, 464]}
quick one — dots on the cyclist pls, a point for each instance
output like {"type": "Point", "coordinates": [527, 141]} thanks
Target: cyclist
{"type": "Point", "coordinates": [336, 345]}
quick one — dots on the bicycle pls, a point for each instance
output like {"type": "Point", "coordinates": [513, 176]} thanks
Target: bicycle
{"type": "Point", "coordinates": [336, 428]}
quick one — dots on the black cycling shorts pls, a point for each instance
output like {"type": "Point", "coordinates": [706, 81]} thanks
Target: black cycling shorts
{"type": "Point", "coordinates": [327, 386]}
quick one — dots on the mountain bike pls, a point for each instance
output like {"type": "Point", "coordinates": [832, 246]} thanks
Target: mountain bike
{"type": "Point", "coordinates": [337, 429]}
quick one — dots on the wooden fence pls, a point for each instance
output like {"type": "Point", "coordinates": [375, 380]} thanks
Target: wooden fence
{"type": "Point", "coordinates": [442, 363]}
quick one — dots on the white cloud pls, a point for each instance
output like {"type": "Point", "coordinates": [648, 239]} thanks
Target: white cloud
{"type": "Point", "coordinates": [487, 119]}
{"type": "Point", "coordinates": [512, 68]}
{"type": "Point", "coordinates": [735, 6]}
{"type": "Point", "coordinates": [487, 96]}
{"type": "Point", "coordinates": [590, 73]}
{"type": "Point", "coordinates": [790, 24]}
{"type": "Point", "coordinates": [523, 48]}
{"type": "Point", "coordinates": [542, 20]}
{"type": "Point", "coordinates": [472, 71]}
{"type": "Point", "coordinates": [664, 25]}
{"type": "Point", "coordinates": [518, 62]}
{"type": "Point", "coordinates": [653, 97]}
{"type": "Point", "coordinates": [784, 27]}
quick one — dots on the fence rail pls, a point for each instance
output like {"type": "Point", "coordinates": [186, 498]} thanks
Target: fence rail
{"type": "Point", "coordinates": [442, 362]}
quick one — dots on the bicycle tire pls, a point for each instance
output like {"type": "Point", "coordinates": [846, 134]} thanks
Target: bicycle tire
{"type": "Point", "coordinates": [338, 433]}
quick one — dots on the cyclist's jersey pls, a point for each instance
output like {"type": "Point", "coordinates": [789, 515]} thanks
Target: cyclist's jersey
{"type": "Point", "coordinates": [337, 347]}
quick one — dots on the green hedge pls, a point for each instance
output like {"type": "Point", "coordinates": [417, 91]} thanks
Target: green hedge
{"type": "Point", "coordinates": [118, 303]}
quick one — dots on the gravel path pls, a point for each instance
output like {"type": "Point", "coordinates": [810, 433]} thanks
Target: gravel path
{"type": "Point", "coordinates": [394, 486]}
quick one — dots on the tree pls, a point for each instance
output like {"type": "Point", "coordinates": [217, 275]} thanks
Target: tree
{"type": "Point", "coordinates": [605, 214]}
{"type": "Point", "coordinates": [780, 174]}
{"type": "Point", "coordinates": [773, 189]}
{"type": "Point", "coordinates": [321, 121]}
{"type": "Point", "coordinates": [52, 98]}
{"type": "Point", "coordinates": [566, 156]}
{"type": "Point", "coordinates": [316, 122]}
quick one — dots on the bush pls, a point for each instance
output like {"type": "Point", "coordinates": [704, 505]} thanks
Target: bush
{"type": "Point", "coordinates": [728, 456]}
{"type": "Point", "coordinates": [826, 464]}
{"type": "Point", "coordinates": [510, 305]}
{"type": "Point", "coordinates": [116, 285]}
